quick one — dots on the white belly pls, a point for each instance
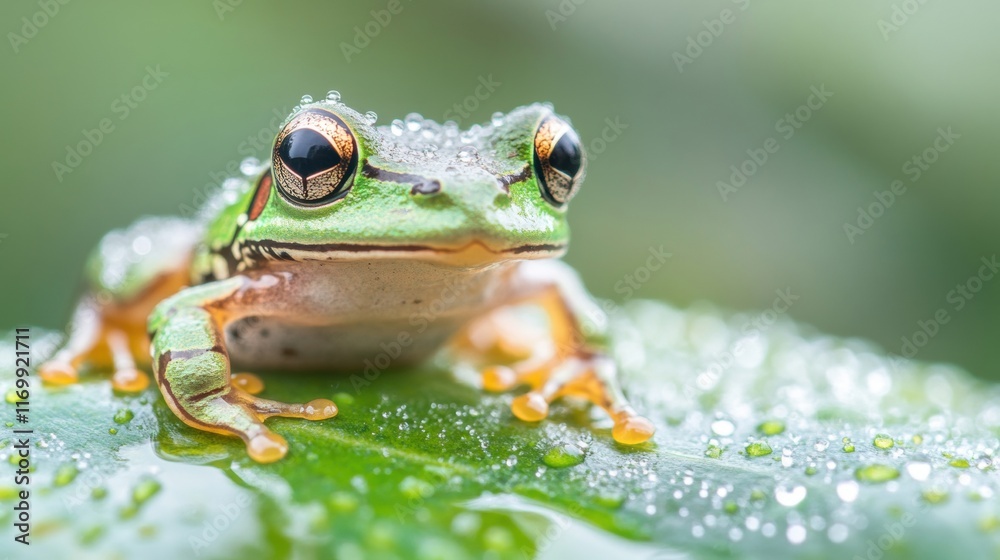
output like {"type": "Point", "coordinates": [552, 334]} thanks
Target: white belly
{"type": "Point", "coordinates": [357, 315]}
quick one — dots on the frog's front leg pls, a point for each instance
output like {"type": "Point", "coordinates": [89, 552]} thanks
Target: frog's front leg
{"type": "Point", "coordinates": [192, 366]}
{"type": "Point", "coordinates": [567, 364]}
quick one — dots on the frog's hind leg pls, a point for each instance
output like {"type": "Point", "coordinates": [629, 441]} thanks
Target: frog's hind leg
{"type": "Point", "coordinates": [85, 339]}
{"type": "Point", "coordinates": [108, 327]}
{"type": "Point", "coordinates": [127, 376]}
{"type": "Point", "coordinates": [109, 334]}
{"type": "Point", "coordinates": [94, 341]}
{"type": "Point", "coordinates": [564, 365]}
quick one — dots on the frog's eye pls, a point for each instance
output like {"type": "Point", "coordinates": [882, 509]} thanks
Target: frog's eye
{"type": "Point", "coordinates": [315, 157]}
{"type": "Point", "coordinates": [558, 160]}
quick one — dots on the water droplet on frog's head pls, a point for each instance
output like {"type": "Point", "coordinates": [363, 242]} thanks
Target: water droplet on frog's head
{"type": "Point", "coordinates": [141, 245]}
{"type": "Point", "coordinates": [396, 127]}
{"type": "Point", "coordinates": [306, 99]}
{"type": "Point", "coordinates": [430, 130]}
{"type": "Point", "coordinates": [497, 119]}
{"type": "Point", "coordinates": [371, 117]}
{"type": "Point", "coordinates": [821, 445]}
{"type": "Point", "coordinates": [333, 95]}
{"type": "Point", "coordinates": [467, 153]}
{"type": "Point", "coordinates": [414, 121]}
{"type": "Point", "coordinates": [249, 166]}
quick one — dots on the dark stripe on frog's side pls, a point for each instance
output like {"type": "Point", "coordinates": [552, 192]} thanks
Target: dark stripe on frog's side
{"type": "Point", "coordinates": [279, 249]}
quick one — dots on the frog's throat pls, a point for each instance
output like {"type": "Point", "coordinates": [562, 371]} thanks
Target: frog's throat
{"type": "Point", "coordinates": [471, 253]}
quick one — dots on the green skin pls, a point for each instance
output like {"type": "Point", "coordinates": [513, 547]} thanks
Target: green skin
{"type": "Point", "coordinates": [329, 285]}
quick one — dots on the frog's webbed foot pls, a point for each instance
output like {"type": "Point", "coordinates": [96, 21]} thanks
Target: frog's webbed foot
{"type": "Point", "coordinates": [554, 362]}
{"type": "Point", "coordinates": [199, 389]}
{"type": "Point", "coordinates": [96, 341]}
{"type": "Point", "coordinates": [237, 412]}
{"type": "Point", "coordinates": [247, 382]}
{"type": "Point", "coordinates": [551, 376]}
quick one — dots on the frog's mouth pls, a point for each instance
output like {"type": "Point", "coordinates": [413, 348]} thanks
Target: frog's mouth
{"type": "Point", "coordinates": [470, 254]}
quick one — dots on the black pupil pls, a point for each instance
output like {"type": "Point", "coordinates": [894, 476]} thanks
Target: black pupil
{"type": "Point", "coordinates": [566, 156]}
{"type": "Point", "coordinates": [307, 152]}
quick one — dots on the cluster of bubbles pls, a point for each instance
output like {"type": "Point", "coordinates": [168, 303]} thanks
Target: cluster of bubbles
{"type": "Point", "coordinates": [416, 139]}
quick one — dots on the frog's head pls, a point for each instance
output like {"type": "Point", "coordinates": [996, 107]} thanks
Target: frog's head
{"type": "Point", "coordinates": [340, 187]}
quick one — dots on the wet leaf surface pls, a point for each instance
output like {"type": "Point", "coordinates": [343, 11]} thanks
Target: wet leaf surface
{"type": "Point", "coordinates": [869, 457]}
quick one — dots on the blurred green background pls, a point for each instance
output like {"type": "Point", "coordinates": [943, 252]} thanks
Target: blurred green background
{"type": "Point", "coordinates": [232, 65]}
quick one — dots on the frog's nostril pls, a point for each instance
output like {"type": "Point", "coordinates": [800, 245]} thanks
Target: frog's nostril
{"type": "Point", "coordinates": [430, 186]}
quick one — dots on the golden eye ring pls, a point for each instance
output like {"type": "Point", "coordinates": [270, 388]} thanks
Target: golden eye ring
{"type": "Point", "coordinates": [559, 161]}
{"type": "Point", "coordinates": [314, 158]}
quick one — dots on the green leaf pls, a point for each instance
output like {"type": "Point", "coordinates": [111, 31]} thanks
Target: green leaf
{"type": "Point", "coordinates": [421, 464]}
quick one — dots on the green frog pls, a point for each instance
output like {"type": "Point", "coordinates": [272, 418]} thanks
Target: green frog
{"type": "Point", "coordinates": [356, 244]}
